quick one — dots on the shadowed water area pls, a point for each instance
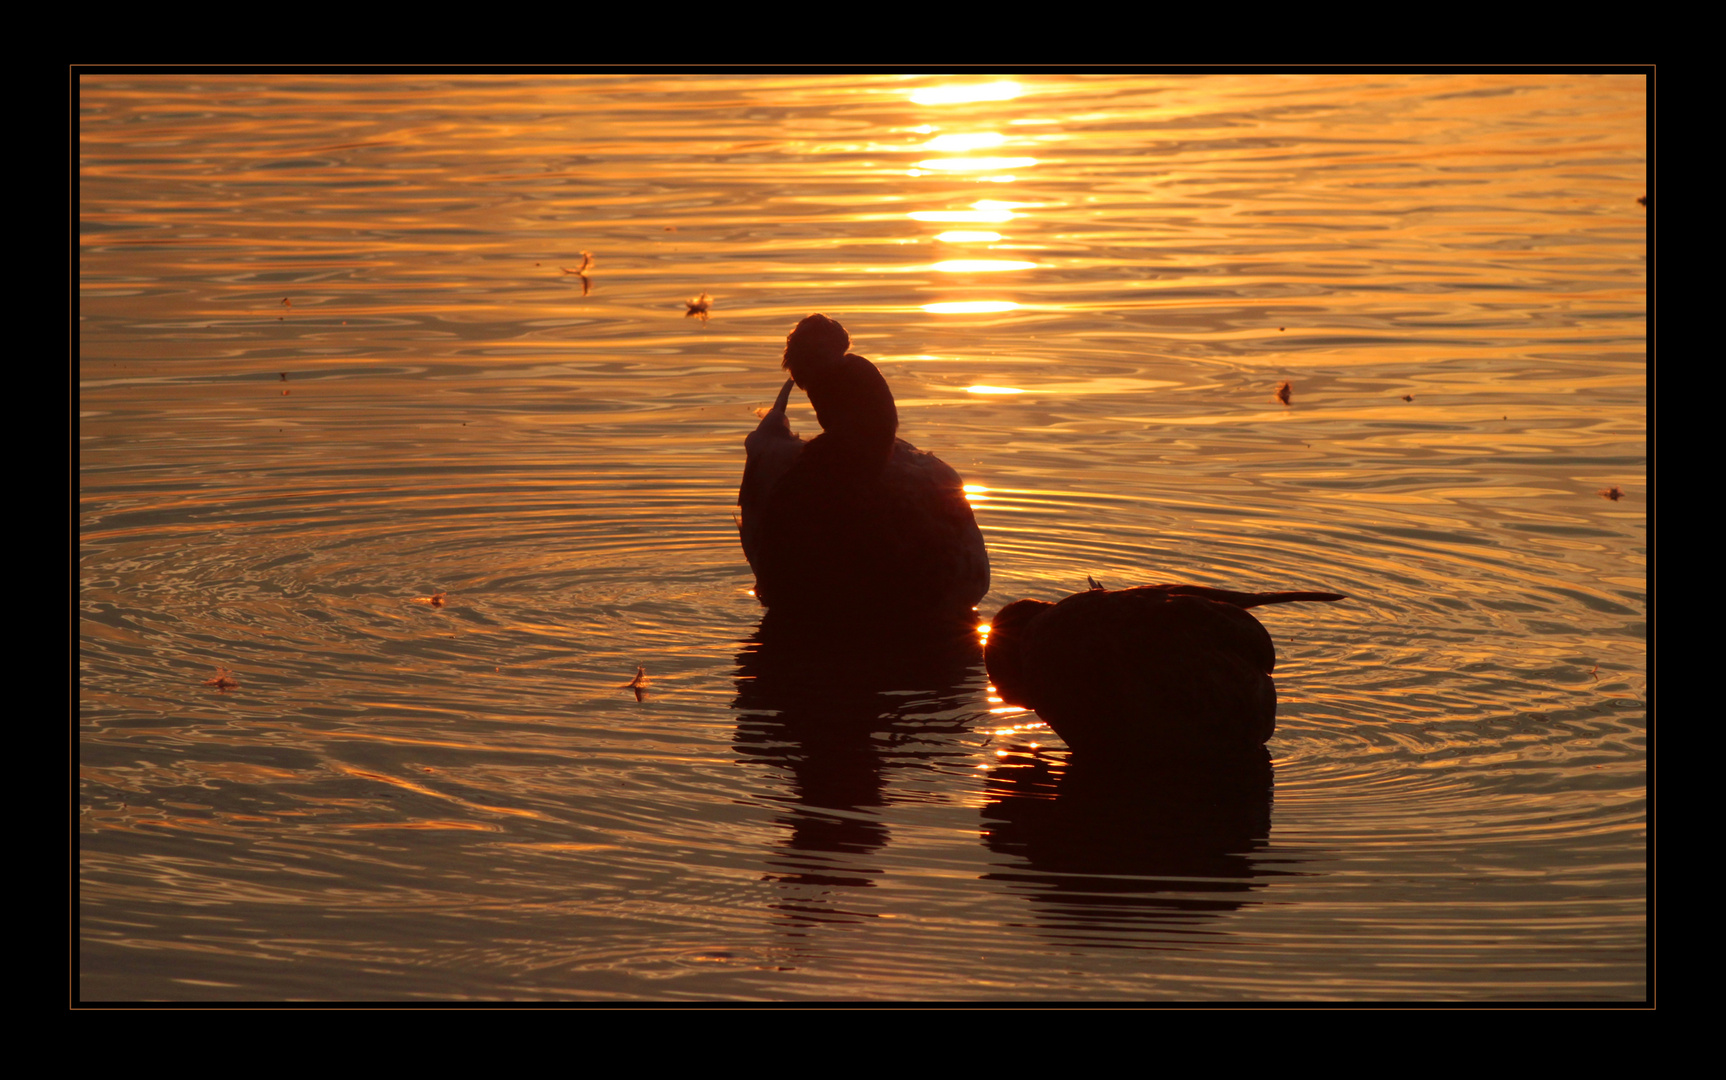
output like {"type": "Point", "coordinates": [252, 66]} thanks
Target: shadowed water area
{"type": "Point", "coordinates": [387, 492]}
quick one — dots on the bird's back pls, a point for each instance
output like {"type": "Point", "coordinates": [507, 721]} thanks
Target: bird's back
{"type": "Point", "coordinates": [1142, 670]}
{"type": "Point", "coordinates": [902, 540]}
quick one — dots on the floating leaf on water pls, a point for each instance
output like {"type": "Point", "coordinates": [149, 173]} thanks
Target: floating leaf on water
{"type": "Point", "coordinates": [638, 684]}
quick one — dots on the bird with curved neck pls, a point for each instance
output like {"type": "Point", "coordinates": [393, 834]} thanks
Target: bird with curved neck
{"type": "Point", "coordinates": [1159, 672]}
{"type": "Point", "coordinates": [854, 521]}
{"type": "Point", "coordinates": [851, 400]}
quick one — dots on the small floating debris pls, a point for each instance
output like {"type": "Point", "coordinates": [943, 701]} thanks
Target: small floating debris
{"type": "Point", "coordinates": [698, 307]}
{"type": "Point", "coordinates": [638, 684]}
{"type": "Point", "coordinates": [1596, 672]}
{"type": "Point", "coordinates": [1408, 397]}
{"type": "Point", "coordinates": [286, 302]}
{"type": "Point", "coordinates": [284, 376]}
{"type": "Point", "coordinates": [1613, 493]}
{"type": "Point", "coordinates": [435, 599]}
{"type": "Point", "coordinates": [224, 680]}
{"type": "Point", "coordinates": [581, 271]}
{"type": "Point", "coordinates": [1285, 391]}
{"type": "Point", "coordinates": [1643, 199]}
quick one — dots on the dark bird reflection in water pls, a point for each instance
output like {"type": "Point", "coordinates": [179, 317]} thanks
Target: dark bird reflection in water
{"type": "Point", "coordinates": [1157, 674]}
{"type": "Point", "coordinates": [1105, 840]}
{"type": "Point", "coordinates": [833, 709]}
{"type": "Point", "coordinates": [854, 521]}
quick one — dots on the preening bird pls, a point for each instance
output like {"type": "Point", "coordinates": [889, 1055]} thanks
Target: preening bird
{"type": "Point", "coordinates": [1175, 672]}
{"type": "Point", "coordinates": [856, 520]}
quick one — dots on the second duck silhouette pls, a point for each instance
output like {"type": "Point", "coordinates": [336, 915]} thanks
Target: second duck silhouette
{"type": "Point", "coordinates": [854, 521]}
{"type": "Point", "coordinates": [1160, 672]}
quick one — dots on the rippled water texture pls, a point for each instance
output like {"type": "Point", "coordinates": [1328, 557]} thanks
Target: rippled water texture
{"type": "Point", "coordinates": [341, 352]}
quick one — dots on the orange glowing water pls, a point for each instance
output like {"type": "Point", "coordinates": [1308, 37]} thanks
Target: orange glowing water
{"type": "Point", "coordinates": [337, 356]}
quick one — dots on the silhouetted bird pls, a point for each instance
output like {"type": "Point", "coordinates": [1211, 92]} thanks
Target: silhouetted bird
{"type": "Point", "coordinates": [855, 521]}
{"type": "Point", "coordinates": [1160, 671]}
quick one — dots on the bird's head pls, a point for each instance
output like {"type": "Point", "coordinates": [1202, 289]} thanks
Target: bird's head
{"type": "Point", "coordinates": [1002, 656]}
{"type": "Point", "coordinates": [816, 342]}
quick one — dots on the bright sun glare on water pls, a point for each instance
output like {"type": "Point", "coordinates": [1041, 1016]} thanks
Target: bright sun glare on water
{"type": "Point", "coordinates": [979, 217]}
{"type": "Point", "coordinates": [987, 164]}
{"type": "Point", "coordinates": [973, 266]}
{"type": "Point", "coordinates": [957, 95]}
{"type": "Point", "coordinates": [969, 306]}
{"type": "Point", "coordinates": [959, 144]}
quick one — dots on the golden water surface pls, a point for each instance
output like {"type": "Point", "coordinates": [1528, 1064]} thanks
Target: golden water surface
{"type": "Point", "coordinates": [352, 343]}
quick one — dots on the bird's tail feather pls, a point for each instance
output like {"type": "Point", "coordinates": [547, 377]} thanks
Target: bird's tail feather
{"type": "Point", "coordinates": [1250, 600]}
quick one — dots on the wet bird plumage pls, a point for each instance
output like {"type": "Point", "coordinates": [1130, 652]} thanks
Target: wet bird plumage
{"type": "Point", "coordinates": [1159, 671]}
{"type": "Point", "coordinates": [854, 520]}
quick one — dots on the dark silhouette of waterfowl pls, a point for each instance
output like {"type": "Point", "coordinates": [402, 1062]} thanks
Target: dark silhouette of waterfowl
{"type": "Point", "coordinates": [855, 520]}
{"type": "Point", "coordinates": [834, 708]}
{"type": "Point", "coordinates": [1159, 672]}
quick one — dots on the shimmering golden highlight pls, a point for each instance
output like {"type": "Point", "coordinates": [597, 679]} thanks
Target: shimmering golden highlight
{"type": "Point", "coordinates": [960, 144]}
{"type": "Point", "coordinates": [960, 94]}
{"type": "Point", "coordinates": [960, 307]}
{"type": "Point", "coordinates": [982, 266]}
{"type": "Point", "coordinates": [975, 164]}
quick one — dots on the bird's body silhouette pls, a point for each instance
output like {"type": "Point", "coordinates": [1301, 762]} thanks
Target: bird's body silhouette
{"type": "Point", "coordinates": [1173, 672]}
{"type": "Point", "coordinates": [855, 520]}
